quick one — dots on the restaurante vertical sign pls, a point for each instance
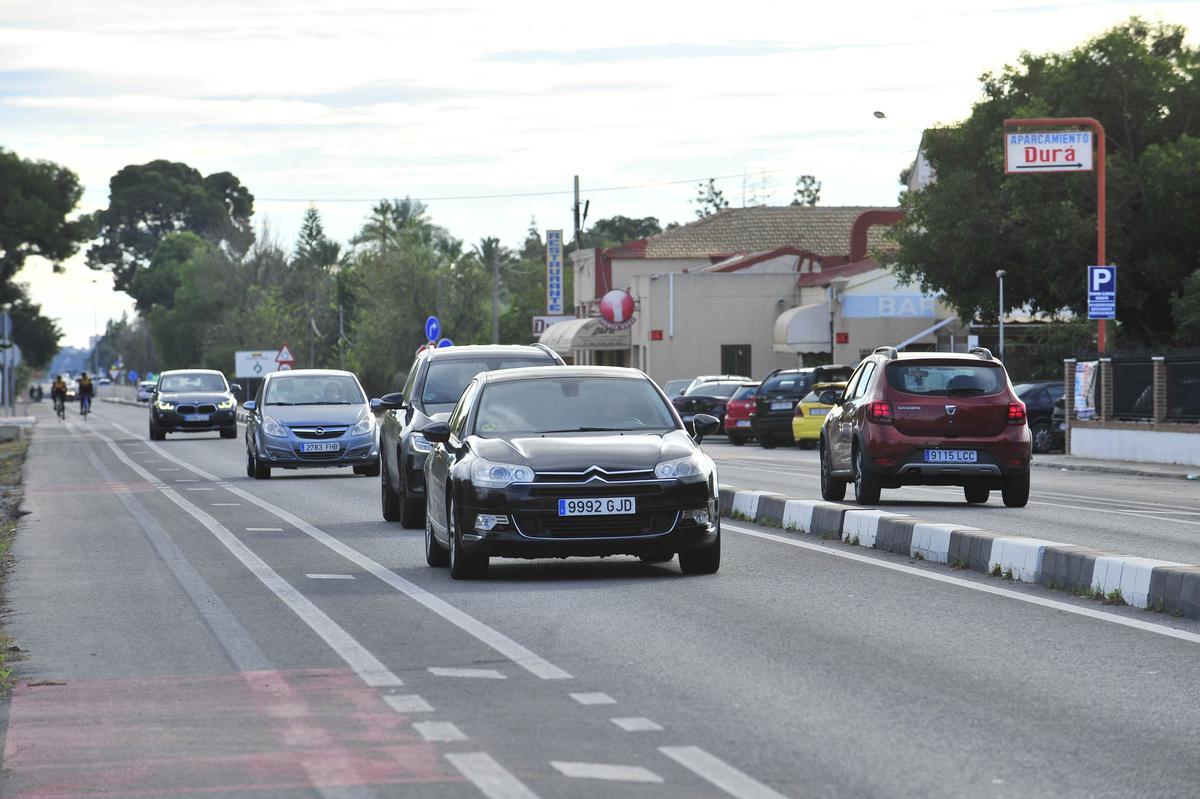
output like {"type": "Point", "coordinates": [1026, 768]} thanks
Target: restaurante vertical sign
{"type": "Point", "coordinates": [554, 272]}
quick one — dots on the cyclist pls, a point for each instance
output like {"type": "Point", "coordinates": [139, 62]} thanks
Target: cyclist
{"type": "Point", "coordinates": [58, 395]}
{"type": "Point", "coordinates": [86, 392]}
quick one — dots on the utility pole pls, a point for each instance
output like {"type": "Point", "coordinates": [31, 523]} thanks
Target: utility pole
{"type": "Point", "coordinates": [341, 338]}
{"type": "Point", "coordinates": [578, 225]}
{"type": "Point", "coordinates": [496, 291]}
{"type": "Point", "coordinates": [1000, 273]}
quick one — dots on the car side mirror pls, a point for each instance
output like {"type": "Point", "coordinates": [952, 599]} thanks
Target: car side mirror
{"type": "Point", "coordinates": [376, 406]}
{"type": "Point", "coordinates": [438, 432]}
{"type": "Point", "coordinates": [235, 387]}
{"type": "Point", "coordinates": [704, 425]}
{"type": "Point", "coordinates": [830, 397]}
{"type": "Point", "coordinates": [249, 405]}
{"type": "Point", "coordinates": [390, 402]}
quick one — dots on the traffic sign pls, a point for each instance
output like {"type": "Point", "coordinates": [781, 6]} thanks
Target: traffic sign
{"type": "Point", "coordinates": [132, 375]}
{"type": "Point", "coordinates": [1048, 151]}
{"type": "Point", "coordinates": [445, 343]}
{"type": "Point", "coordinates": [253, 363]}
{"type": "Point", "coordinates": [1102, 292]}
{"type": "Point", "coordinates": [285, 355]}
{"type": "Point", "coordinates": [433, 328]}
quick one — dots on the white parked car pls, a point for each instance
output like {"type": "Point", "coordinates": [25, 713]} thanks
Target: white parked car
{"type": "Point", "coordinates": [145, 390]}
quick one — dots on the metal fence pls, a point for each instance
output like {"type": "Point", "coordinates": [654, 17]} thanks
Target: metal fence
{"type": "Point", "coordinates": [1133, 389]}
{"type": "Point", "coordinates": [1183, 389]}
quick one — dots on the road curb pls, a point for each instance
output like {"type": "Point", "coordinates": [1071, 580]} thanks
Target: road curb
{"type": "Point", "coordinates": [1147, 583]}
{"type": "Point", "coordinates": [1125, 470]}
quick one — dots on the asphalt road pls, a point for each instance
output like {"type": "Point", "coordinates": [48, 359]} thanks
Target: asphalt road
{"type": "Point", "coordinates": [1148, 516]}
{"type": "Point", "coordinates": [190, 630]}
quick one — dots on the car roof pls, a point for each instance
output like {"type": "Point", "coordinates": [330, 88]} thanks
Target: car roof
{"type": "Point", "coordinates": [191, 372]}
{"type": "Point", "coordinates": [528, 372]}
{"type": "Point", "coordinates": [966, 357]}
{"type": "Point", "coordinates": [473, 350]}
{"type": "Point", "coordinates": [310, 373]}
{"type": "Point", "coordinates": [834, 384]}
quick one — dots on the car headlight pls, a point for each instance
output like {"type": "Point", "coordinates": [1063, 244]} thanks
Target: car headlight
{"type": "Point", "coordinates": [273, 428]}
{"type": "Point", "coordinates": [364, 425]}
{"type": "Point", "coordinates": [225, 405]}
{"type": "Point", "coordinates": [487, 474]}
{"type": "Point", "coordinates": [419, 443]}
{"type": "Point", "coordinates": [162, 405]}
{"type": "Point", "coordinates": [688, 468]}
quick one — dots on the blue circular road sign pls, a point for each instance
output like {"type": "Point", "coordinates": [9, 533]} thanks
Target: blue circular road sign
{"type": "Point", "coordinates": [133, 375]}
{"type": "Point", "coordinates": [433, 328]}
{"type": "Point", "coordinates": [445, 343]}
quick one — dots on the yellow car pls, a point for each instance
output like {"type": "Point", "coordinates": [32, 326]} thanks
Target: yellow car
{"type": "Point", "coordinates": [810, 415]}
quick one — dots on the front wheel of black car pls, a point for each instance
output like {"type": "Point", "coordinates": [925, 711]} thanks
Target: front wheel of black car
{"type": "Point", "coordinates": [766, 442]}
{"type": "Point", "coordinates": [156, 434]}
{"type": "Point", "coordinates": [229, 432]}
{"type": "Point", "coordinates": [435, 554]}
{"type": "Point", "coordinates": [249, 464]}
{"type": "Point", "coordinates": [261, 471]}
{"type": "Point", "coordinates": [462, 565]}
{"type": "Point", "coordinates": [806, 443]}
{"type": "Point", "coordinates": [832, 489]}
{"type": "Point", "coordinates": [389, 499]}
{"type": "Point", "coordinates": [701, 560]}
{"type": "Point", "coordinates": [1015, 490]}
{"type": "Point", "coordinates": [1043, 439]}
{"type": "Point", "coordinates": [866, 482]}
{"type": "Point", "coordinates": [737, 441]}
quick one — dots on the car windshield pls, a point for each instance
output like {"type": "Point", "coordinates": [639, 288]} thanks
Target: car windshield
{"type": "Point", "coordinates": [722, 390]}
{"type": "Point", "coordinates": [447, 378]}
{"type": "Point", "coordinates": [945, 380]}
{"type": "Point", "coordinates": [314, 390]}
{"type": "Point", "coordinates": [196, 381]}
{"type": "Point", "coordinates": [745, 392]}
{"type": "Point", "coordinates": [571, 404]}
{"type": "Point", "coordinates": [793, 383]}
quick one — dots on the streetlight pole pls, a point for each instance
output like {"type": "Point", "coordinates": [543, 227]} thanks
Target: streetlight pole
{"type": "Point", "coordinates": [95, 331]}
{"type": "Point", "coordinates": [1000, 273]}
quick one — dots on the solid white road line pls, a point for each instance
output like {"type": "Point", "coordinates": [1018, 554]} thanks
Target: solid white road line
{"type": "Point", "coordinates": [330, 576]}
{"type": "Point", "coordinates": [478, 674]}
{"type": "Point", "coordinates": [439, 731]}
{"type": "Point", "coordinates": [492, 779]}
{"type": "Point", "coordinates": [518, 654]}
{"type": "Point", "coordinates": [603, 771]}
{"type": "Point", "coordinates": [369, 668]}
{"type": "Point", "coordinates": [594, 699]}
{"type": "Point", "coordinates": [1053, 604]}
{"type": "Point", "coordinates": [224, 504]}
{"type": "Point", "coordinates": [719, 773]}
{"type": "Point", "coordinates": [264, 529]}
{"type": "Point", "coordinates": [637, 724]}
{"type": "Point", "coordinates": [407, 703]}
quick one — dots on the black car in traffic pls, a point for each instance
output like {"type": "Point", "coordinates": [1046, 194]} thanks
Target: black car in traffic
{"type": "Point", "coordinates": [435, 382]}
{"type": "Point", "coordinates": [193, 401]}
{"type": "Point", "coordinates": [1039, 399]}
{"type": "Point", "coordinates": [709, 398]}
{"type": "Point", "coordinates": [563, 461]}
{"type": "Point", "coordinates": [777, 396]}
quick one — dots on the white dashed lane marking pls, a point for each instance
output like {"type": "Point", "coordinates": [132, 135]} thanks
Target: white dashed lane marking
{"type": "Point", "coordinates": [408, 703]}
{"type": "Point", "coordinates": [330, 576]}
{"type": "Point", "coordinates": [264, 529]}
{"type": "Point", "coordinates": [603, 771]}
{"type": "Point", "coordinates": [716, 771]}
{"type": "Point", "coordinates": [594, 699]}
{"type": "Point", "coordinates": [492, 779]}
{"type": "Point", "coordinates": [225, 504]}
{"type": "Point", "coordinates": [439, 731]}
{"type": "Point", "coordinates": [637, 724]}
{"type": "Point", "coordinates": [480, 674]}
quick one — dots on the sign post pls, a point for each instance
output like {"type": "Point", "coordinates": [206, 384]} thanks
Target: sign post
{"type": "Point", "coordinates": [554, 273]}
{"type": "Point", "coordinates": [1059, 151]}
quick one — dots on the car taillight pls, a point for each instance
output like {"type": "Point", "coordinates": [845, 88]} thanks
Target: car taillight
{"type": "Point", "coordinates": [879, 411]}
{"type": "Point", "coordinates": [799, 411]}
{"type": "Point", "coordinates": [1016, 413]}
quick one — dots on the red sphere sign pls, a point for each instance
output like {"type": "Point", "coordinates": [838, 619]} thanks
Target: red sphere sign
{"type": "Point", "coordinates": [616, 310]}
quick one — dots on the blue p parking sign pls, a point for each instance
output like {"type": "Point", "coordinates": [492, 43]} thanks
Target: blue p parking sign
{"type": "Point", "coordinates": [1102, 292]}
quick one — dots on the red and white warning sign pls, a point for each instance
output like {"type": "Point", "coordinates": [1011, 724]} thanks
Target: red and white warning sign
{"type": "Point", "coordinates": [285, 359]}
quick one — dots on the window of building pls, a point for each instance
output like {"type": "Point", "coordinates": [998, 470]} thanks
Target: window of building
{"type": "Point", "coordinates": [735, 359]}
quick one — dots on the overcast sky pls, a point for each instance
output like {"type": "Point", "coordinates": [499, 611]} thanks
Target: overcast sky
{"type": "Point", "coordinates": [340, 104]}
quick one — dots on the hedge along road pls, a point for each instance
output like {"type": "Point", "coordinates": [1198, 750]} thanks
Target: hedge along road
{"type": "Point", "coordinates": [1133, 515]}
{"type": "Point", "coordinates": [790, 672]}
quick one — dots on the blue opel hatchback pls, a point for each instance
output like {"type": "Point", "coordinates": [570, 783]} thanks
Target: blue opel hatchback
{"type": "Point", "coordinates": [310, 418]}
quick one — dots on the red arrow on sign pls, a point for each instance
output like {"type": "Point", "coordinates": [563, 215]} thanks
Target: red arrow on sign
{"type": "Point", "coordinates": [285, 355]}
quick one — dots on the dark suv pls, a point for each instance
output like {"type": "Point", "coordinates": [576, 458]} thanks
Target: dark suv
{"type": "Point", "coordinates": [775, 401]}
{"type": "Point", "coordinates": [435, 382]}
{"type": "Point", "coordinates": [931, 418]}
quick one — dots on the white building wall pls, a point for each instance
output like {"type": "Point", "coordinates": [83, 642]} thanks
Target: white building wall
{"type": "Point", "coordinates": [1145, 446]}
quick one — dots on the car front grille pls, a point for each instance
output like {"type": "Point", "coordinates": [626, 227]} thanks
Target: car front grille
{"type": "Point", "coordinates": [595, 473]}
{"type": "Point", "coordinates": [318, 456]}
{"type": "Point", "coordinates": [320, 433]}
{"type": "Point", "coordinates": [584, 490]}
{"type": "Point", "coordinates": [182, 409]}
{"type": "Point", "coordinates": [551, 525]}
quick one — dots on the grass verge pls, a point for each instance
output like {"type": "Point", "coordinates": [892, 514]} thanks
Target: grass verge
{"type": "Point", "coordinates": [12, 458]}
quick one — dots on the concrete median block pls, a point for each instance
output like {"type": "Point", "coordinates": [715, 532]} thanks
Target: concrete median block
{"type": "Point", "coordinates": [725, 498]}
{"type": "Point", "coordinates": [895, 534]}
{"type": "Point", "coordinates": [745, 505]}
{"type": "Point", "coordinates": [864, 525]}
{"type": "Point", "coordinates": [972, 549]}
{"type": "Point", "coordinates": [1168, 587]}
{"type": "Point", "coordinates": [827, 520]}
{"type": "Point", "coordinates": [932, 541]}
{"type": "Point", "coordinates": [1022, 556]}
{"type": "Point", "coordinates": [770, 510]}
{"type": "Point", "coordinates": [1131, 576]}
{"type": "Point", "coordinates": [798, 514]}
{"type": "Point", "coordinates": [1068, 567]}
